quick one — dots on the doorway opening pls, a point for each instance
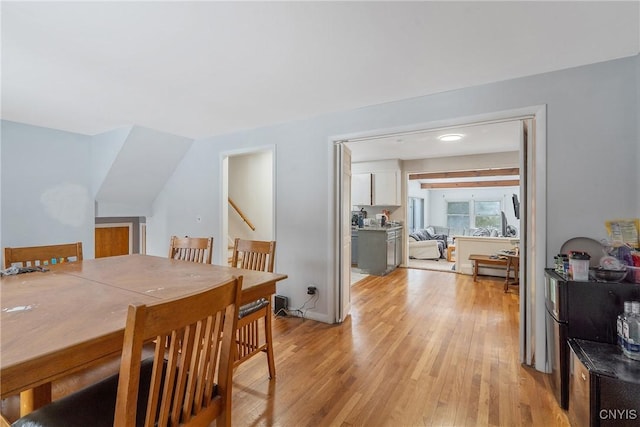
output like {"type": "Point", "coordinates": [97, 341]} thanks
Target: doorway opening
{"type": "Point", "coordinates": [119, 236]}
{"type": "Point", "coordinates": [473, 202]}
{"type": "Point", "coordinates": [532, 154]}
{"type": "Point", "coordinates": [248, 198]}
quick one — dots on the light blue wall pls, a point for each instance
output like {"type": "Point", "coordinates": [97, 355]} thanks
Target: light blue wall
{"type": "Point", "coordinates": [46, 187]}
{"type": "Point", "coordinates": [638, 132]}
{"type": "Point", "coordinates": [104, 150]}
{"type": "Point", "coordinates": [592, 158]}
{"type": "Point", "coordinates": [592, 171]}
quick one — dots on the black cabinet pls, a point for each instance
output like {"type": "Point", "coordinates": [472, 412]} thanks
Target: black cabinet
{"type": "Point", "coordinates": [604, 385]}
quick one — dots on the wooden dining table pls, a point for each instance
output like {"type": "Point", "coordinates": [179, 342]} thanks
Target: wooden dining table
{"type": "Point", "coordinates": [58, 322]}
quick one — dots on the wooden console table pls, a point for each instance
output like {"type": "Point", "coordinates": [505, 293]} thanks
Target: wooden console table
{"type": "Point", "coordinates": [485, 260]}
{"type": "Point", "coordinates": [513, 263]}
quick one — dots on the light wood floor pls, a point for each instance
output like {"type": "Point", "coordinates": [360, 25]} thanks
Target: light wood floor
{"type": "Point", "coordinates": [421, 348]}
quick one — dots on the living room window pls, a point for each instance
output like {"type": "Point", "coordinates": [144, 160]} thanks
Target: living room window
{"type": "Point", "coordinates": [458, 217]}
{"type": "Point", "coordinates": [465, 214]}
{"type": "Point", "coordinates": [487, 214]}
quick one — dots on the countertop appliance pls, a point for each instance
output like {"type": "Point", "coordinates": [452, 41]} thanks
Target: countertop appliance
{"type": "Point", "coordinates": [604, 385]}
{"type": "Point", "coordinates": [583, 310]}
{"type": "Point", "coordinates": [355, 218]}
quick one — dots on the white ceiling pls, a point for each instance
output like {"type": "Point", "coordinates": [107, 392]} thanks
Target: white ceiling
{"type": "Point", "coordinates": [197, 69]}
{"type": "Point", "coordinates": [476, 139]}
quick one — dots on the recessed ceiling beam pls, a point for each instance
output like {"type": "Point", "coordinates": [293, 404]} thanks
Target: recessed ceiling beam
{"type": "Point", "coordinates": [466, 174]}
{"type": "Point", "coordinates": [459, 184]}
{"type": "Point", "coordinates": [470, 184]}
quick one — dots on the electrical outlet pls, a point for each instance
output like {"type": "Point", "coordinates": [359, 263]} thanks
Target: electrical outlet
{"type": "Point", "coordinates": [311, 290]}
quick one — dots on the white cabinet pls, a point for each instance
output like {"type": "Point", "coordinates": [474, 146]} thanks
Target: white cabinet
{"type": "Point", "coordinates": [376, 184]}
{"type": "Point", "coordinates": [361, 189]}
{"type": "Point", "coordinates": [386, 188]}
{"type": "Point", "coordinates": [375, 189]}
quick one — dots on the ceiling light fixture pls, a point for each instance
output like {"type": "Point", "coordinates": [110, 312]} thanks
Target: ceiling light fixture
{"type": "Point", "coordinates": [450, 137]}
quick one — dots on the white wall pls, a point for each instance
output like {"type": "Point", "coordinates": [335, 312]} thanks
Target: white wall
{"type": "Point", "coordinates": [592, 159]}
{"type": "Point", "coordinates": [104, 150]}
{"type": "Point", "coordinates": [46, 188]}
{"type": "Point", "coordinates": [138, 168]}
{"type": "Point", "coordinates": [592, 139]}
{"type": "Point", "coordinates": [304, 200]}
{"type": "Point", "coordinates": [189, 204]}
{"type": "Point", "coordinates": [251, 188]}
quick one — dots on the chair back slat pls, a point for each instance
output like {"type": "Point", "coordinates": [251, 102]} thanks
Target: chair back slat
{"type": "Point", "coordinates": [31, 256]}
{"type": "Point", "coordinates": [254, 254]}
{"type": "Point", "coordinates": [191, 378]}
{"type": "Point", "coordinates": [194, 249]}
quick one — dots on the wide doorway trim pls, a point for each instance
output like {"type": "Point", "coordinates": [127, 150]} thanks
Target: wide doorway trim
{"type": "Point", "coordinates": [532, 327]}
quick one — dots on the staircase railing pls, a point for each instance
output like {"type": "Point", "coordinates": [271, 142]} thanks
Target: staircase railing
{"type": "Point", "coordinates": [242, 215]}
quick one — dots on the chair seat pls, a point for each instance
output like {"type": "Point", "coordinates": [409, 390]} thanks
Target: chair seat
{"type": "Point", "coordinates": [92, 406]}
{"type": "Point", "coordinates": [252, 307]}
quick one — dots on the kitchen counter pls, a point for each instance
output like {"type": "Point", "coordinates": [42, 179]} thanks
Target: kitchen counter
{"type": "Point", "coordinates": [378, 228]}
{"type": "Point", "coordinates": [379, 248]}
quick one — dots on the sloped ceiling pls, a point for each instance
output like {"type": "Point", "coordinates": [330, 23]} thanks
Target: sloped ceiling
{"type": "Point", "coordinates": [199, 69]}
{"type": "Point", "coordinates": [141, 165]}
{"type": "Point", "coordinates": [204, 68]}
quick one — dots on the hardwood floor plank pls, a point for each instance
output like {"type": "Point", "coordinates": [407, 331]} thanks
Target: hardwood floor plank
{"type": "Point", "coordinates": [421, 348]}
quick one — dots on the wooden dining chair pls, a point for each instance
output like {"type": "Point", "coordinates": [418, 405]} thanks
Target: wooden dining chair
{"type": "Point", "coordinates": [31, 256]}
{"type": "Point", "coordinates": [194, 249]}
{"type": "Point", "coordinates": [187, 384]}
{"type": "Point", "coordinates": [254, 255]}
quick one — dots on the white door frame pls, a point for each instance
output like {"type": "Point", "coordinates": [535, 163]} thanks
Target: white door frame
{"type": "Point", "coordinates": [535, 218]}
{"type": "Point", "coordinates": [343, 224]}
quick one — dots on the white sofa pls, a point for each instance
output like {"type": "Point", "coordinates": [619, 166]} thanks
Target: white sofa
{"type": "Point", "coordinates": [423, 249]}
{"type": "Point", "coordinates": [429, 243]}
